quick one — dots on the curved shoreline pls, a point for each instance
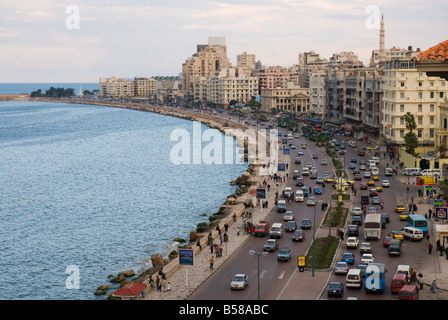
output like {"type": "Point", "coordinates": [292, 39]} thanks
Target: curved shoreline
{"type": "Point", "coordinates": [227, 127]}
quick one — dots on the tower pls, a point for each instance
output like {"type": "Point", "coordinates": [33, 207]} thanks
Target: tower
{"type": "Point", "coordinates": [382, 53]}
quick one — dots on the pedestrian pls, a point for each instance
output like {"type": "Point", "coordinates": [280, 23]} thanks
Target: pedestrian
{"type": "Point", "coordinates": [220, 251]}
{"type": "Point", "coordinates": [433, 286]}
{"type": "Point", "coordinates": [211, 248]}
{"type": "Point", "coordinates": [429, 248]}
{"type": "Point", "coordinates": [420, 280]}
{"type": "Point", "coordinates": [226, 227]}
{"type": "Point", "coordinates": [151, 282]}
{"type": "Point", "coordinates": [226, 237]}
{"type": "Point", "coordinates": [211, 262]}
{"type": "Point", "coordinates": [441, 249]}
{"type": "Point", "coordinates": [446, 253]}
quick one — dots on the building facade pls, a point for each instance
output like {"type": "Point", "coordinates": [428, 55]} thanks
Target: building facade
{"type": "Point", "coordinates": [291, 99]}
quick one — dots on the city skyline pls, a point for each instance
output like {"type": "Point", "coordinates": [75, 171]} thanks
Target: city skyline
{"type": "Point", "coordinates": [42, 41]}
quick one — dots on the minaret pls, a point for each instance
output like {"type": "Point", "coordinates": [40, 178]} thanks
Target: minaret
{"type": "Point", "coordinates": [382, 53]}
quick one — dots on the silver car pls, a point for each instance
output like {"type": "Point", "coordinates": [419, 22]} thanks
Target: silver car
{"type": "Point", "coordinates": [288, 216]}
{"type": "Point", "coordinates": [239, 281]}
{"type": "Point", "coordinates": [341, 268]}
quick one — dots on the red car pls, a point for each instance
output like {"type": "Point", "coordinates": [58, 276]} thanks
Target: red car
{"type": "Point", "coordinates": [363, 187]}
{"type": "Point", "coordinates": [361, 152]}
{"type": "Point", "coordinates": [373, 193]}
{"type": "Point", "coordinates": [358, 176]}
{"type": "Point", "coordinates": [386, 241]}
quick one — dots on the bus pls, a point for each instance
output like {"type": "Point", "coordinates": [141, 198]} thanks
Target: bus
{"type": "Point", "coordinates": [375, 277]}
{"type": "Point", "coordinates": [417, 221]}
{"type": "Point", "coordinates": [372, 226]}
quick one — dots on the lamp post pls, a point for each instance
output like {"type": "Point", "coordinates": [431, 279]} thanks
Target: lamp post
{"type": "Point", "coordinates": [253, 253]}
{"type": "Point", "coordinates": [314, 233]}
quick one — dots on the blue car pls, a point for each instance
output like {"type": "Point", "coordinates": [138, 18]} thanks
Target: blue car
{"type": "Point", "coordinates": [317, 190]}
{"type": "Point", "coordinates": [305, 191]}
{"type": "Point", "coordinates": [352, 166]}
{"type": "Point", "coordinates": [348, 257]}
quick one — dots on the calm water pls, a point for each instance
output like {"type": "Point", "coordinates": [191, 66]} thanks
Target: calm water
{"type": "Point", "coordinates": [93, 187]}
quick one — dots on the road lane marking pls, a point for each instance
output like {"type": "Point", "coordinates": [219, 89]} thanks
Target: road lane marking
{"type": "Point", "coordinates": [282, 274]}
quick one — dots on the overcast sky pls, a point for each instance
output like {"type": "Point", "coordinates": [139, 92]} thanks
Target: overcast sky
{"type": "Point", "coordinates": [40, 40]}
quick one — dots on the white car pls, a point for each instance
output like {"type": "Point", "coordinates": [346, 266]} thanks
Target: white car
{"type": "Point", "coordinates": [288, 216]}
{"type": "Point", "coordinates": [367, 174]}
{"type": "Point", "coordinates": [367, 258]}
{"type": "Point", "coordinates": [239, 281]}
{"type": "Point", "coordinates": [352, 242]}
{"type": "Point", "coordinates": [385, 183]}
{"type": "Point", "coordinates": [357, 211]}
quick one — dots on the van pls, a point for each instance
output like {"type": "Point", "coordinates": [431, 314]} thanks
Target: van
{"type": "Point", "coordinates": [411, 172]}
{"type": "Point", "coordinates": [299, 196]}
{"type": "Point", "coordinates": [261, 229]}
{"type": "Point", "coordinates": [305, 171]}
{"type": "Point", "coordinates": [404, 269]}
{"type": "Point", "coordinates": [281, 206]}
{"type": "Point", "coordinates": [376, 159]}
{"type": "Point", "coordinates": [431, 173]}
{"type": "Point", "coordinates": [412, 233]}
{"type": "Point", "coordinates": [353, 278]}
{"type": "Point", "coordinates": [389, 171]}
{"type": "Point", "coordinates": [408, 292]}
{"type": "Point", "coordinates": [398, 281]}
{"type": "Point", "coordinates": [352, 144]}
{"type": "Point", "coordinates": [276, 230]}
{"type": "Point", "coordinates": [375, 171]}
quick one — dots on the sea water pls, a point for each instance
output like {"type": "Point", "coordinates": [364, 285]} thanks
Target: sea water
{"type": "Point", "coordinates": [90, 191]}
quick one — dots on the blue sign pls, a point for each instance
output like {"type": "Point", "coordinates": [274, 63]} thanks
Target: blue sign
{"type": "Point", "coordinates": [286, 151]}
{"type": "Point", "coordinates": [281, 167]}
{"type": "Point", "coordinates": [186, 257]}
{"type": "Point", "coordinates": [441, 213]}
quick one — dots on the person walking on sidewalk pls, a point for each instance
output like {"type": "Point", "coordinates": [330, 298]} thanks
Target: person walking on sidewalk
{"type": "Point", "coordinates": [430, 248]}
{"type": "Point", "coordinates": [211, 263]}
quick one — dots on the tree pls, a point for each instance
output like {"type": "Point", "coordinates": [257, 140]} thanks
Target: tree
{"type": "Point", "coordinates": [410, 138]}
{"type": "Point", "coordinates": [442, 149]}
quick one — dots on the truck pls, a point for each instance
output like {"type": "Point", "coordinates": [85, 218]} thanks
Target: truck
{"type": "Point", "coordinates": [372, 226]}
{"type": "Point", "coordinates": [394, 247]}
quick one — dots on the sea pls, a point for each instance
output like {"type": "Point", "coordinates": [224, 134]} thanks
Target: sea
{"type": "Point", "coordinates": [87, 192]}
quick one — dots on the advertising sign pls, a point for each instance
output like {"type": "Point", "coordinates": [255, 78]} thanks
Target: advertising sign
{"type": "Point", "coordinates": [441, 213]}
{"type": "Point", "coordinates": [301, 263]}
{"type": "Point", "coordinates": [261, 193]}
{"type": "Point", "coordinates": [281, 167]}
{"type": "Point", "coordinates": [286, 151]}
{"type": "Point", "coordinates": [425, 181]}
{"type": "Point", "coordinates": [186, 257]}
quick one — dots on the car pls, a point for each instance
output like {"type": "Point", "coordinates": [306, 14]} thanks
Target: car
{"type": "Point", "coordinates": [385, 183]}
{"type": "Point", "coordinates": [358, 176]}
{"type": "Point", "coordinates": [386, 241]}
{"type": "Point", "coordinates": [239, 281]}
{"type": "Point", "coordinates": [284, 254]}
{"type": "Point", "coordinates": [376, 200]}
{"type": "Point", "coordinates": [342, 152]}
{"type": "Point", "coordinates": [313, 175]}
{"type": "Point", "coordinates": [317, 190]}
{"type": "Point", "coordinates": [271, 245]}
{"type": "Point", "coordinates": [352, 243]}
{"type": "Point", "coordinates": [367, 258]}
{"type": "Point", "coordinates": [367, 174]}
{"type": "Point", "coordinates": [353, 160]}
{"type": "Point", "coordinates": [298, 235]}
{"type": "Point", "coordinates": [341, 267]}
{"type": "Point", "coordinates": [299, 182]}
{"type": "Point", "coordinates": [386, 217]}
{"type": "Point", "coordinates": [323, 162]}
{"type": "Point", "coordinates": [399, 208]}
{"type": "Point", "coordinates": [404, 215]}
{"type": "Point", "coordinates": [357, 220]}
{"type": "Point", "coordinates": [373, 193]}
{"type": "Point", "coordinates": [315, 156]}
{"type": "Point", "coordinates": [357, 211]}
{"type": "Point", "coordinates": [363, 268]}
{"type": "Point", "coordinates": [296, 174]}
{"type": "Point", "coordinates": [372, 210]}
{"type": "Point", "coordinates": [362, 167]}
{"type": "Point", "coordinates": [298, 160]}
{"type": "Point", "coordinates": [363, 186]}
{"type": "Point", "coordinates": [293, 146]}
{"type": "Point", "coordinates": [365, 247]}
{"type": "Point", "coordinates": [320, 180]}
{"type": "Point", "coordinates": [361, 152]}
{"type": "Point", "coordinates": [352, 166]}
{"type": "Point", "coordinates": [371, 182]}
{"type": "Point", "coordinates": [288, 216]}
{"type": "Point", "coordinates": [311, 201]}
{"type": "Point", "coordinates": [306, 223]}
{"type": "Point", "coordinates": [352, 230]}
{"type": "Point", "coordinates": [335, 289]}
{"type": "Point", "coordinates": [396, 234]}
{"type": "Point", "coordinates": [375, 177]}
{"type": "Point", "coordinates": [305, 191]}
{"type": "Point", "coordinates": [348, 257]}
{"type": "Point", "coordinates": [300, 153]}
{"type": "Point", "coordinates": [313, 170]}
{"type": "Point", "coordinates": [379, 188]}
{"type": "Point", "coordinates": [372, 147]}
{"type": "Point", "coordinates": [290, 226]}
{"type": "Point", "coordinates": [309, 165]}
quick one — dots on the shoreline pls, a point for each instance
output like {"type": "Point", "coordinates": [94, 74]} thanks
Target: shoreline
{"type": "Point", "coordinates": [230, 207]}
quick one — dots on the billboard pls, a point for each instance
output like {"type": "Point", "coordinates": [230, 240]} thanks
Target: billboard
{"type": "Point", "coordinates": [425, 181]}
{"type": "Point", "coordinates": [186, 257]}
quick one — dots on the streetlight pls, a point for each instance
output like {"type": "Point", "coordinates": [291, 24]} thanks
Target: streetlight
{"type": "Point", "coordinates": [314, 232]}
{"type": "Point", "coordinates": [253, 253]}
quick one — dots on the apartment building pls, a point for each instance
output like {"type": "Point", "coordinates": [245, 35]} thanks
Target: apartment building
{"type": "Point", "coordinates": [116, 87]}
{"type": "Point", "coordinates": [145, 87]}
{"type": "Point", "coordinates": [291, 99]}
{"type": "Point", "coordinates": [246, 60]}
{"type": "Point", "coordinates": [407, 89]}
{"type": "Point", "coordinates": [318, 94]}
{"type": "Point", "coordinates": [273, 77]}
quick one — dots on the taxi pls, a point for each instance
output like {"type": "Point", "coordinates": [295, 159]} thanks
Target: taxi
{"type": "Point", "coordinates": [375, 177]}
{"type": "Point", "coordinates": [371, 182]}
{"type": "Point", "coordinates": [379, 188]}
{"type": "Point", "coordinates": [396, 235]}
{"type": "Point", "coordinates": [404, 216]}
{"type": "Point", "coordinates": [329, 179]}
{"type": "Point", "coordinates": [373, 148]}
{"type": "Point", "coordinates": [399, 208]}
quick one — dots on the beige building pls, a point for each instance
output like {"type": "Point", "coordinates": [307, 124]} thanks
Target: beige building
{"type": "Point", "coordinates": [145, 87]}
{"type": "Point", "coordinates": [291, 99]}
{"type": "Point", "coordinates": [116, 87]}
{"type": "Point", "coordinates": [246, 60]}
{"type": "Point", "coordinates": [407, 89]}
{"type": "Point", "coordinates": [318, 94]}
{"type": "Point", "coordinates": [273, 77]}
{"type": "Point", "coordinates": [207, 60]}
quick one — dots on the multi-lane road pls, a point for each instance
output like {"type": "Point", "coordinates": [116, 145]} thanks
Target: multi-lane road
{"type": "Point", "coordinates": [274, 275]}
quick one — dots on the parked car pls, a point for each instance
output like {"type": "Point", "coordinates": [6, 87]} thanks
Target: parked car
{"type": "Point", "coordinates": [335, 289]}
{"type": "Point", "coordinates": [298, 235]}
{"type": "Point", "coordinates": [284, 254]}
{"type": "Point", "coordinates": [352, 242]}
{"type": "Point", "coordinates": [239, 281]}
{"type": "Point", "coordinates": [271, 245]}
{"type": "Point", "coordinates": [341, 267]}
{"type": "Point", "coordinates": [306, 223]}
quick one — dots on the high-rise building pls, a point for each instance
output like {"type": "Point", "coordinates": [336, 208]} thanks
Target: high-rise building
{"type": "Point", "coordinates": [246, 60]}
{"type": "Point", "coordinates": [273, 77]}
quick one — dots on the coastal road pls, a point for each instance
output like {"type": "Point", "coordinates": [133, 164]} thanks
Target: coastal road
{"type": "Point", "coordinates": [273, 274]}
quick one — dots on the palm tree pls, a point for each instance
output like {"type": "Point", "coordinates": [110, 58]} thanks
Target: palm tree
{"type": "Point", "coordinates": [410, 139]}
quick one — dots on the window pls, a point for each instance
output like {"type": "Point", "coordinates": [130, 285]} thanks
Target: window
{"type": "Point", "coordinates": [431, 95]}
{"type": "Point", "coordinates": [401, 107]}
{"type": "Point", "coordinates": [420, 84]}
{"type": "Point", "coordinates": [401, 133]}
{"type": "Point", "coordinates": [420, 121]}
{"type": "Point", "coordinates": [441, 95]}
{"type": "Point", "coordinates": [420, 95]}
{"type": "Point", "coordinates": [420, 108]}
{"type": "Point", "coordinates": [402, 84]}
{"type": "Point", "coordinates": [431, 120]}
{"type": "Point", "coordinates": [431, 84]}
{"type": "Point", "coordinates": [402, 120]}
{"type": "Point", "coordinates": [431, 133]}
{"type": "Point", "coordinates": [431, 108]}
{"type": "Point", "coordinates": [419, 133]}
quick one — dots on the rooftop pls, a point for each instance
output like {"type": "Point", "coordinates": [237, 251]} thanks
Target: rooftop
{"type": "Point", "coordinates": [436, 53]}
